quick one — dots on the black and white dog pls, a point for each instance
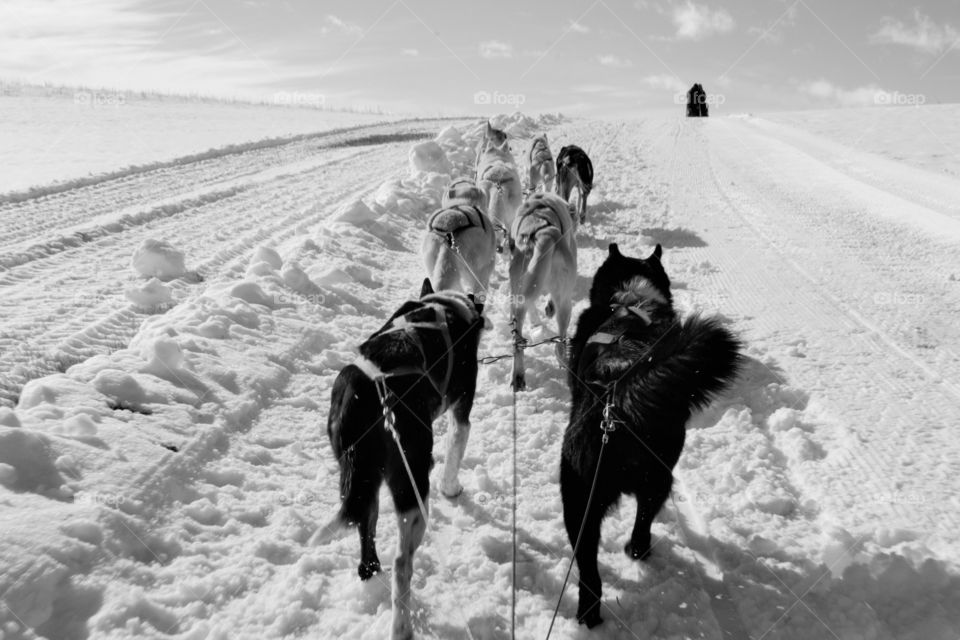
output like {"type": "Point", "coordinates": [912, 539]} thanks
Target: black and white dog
{"type": "Point", "coordinates": [574, 169]}
{"type": "Point", "coordinates": [637, 373]}
{"type": "Point", "coordinates": [421, 363]}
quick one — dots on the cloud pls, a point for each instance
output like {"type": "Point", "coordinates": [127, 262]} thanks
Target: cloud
{"type": "Point", "coordinates": [614, 61]}
{"type": "Point", "coordinates": [410, 52]}
{"type": "Point", "coordinates": [335, 24]}
{"type": "Point", "coordinates": [495, 49]}
{"type": "Point", "coordinates": [924, 35]}
{"type": "Point", "coordinates": [577, 27]}
{"type": "Point", "coordinates": [697, 21]}
{"type": "Point", "coordinates": [773, 33]}
{"type": "Point", "coordinates": [666, 82]}
{"type": "Point", "coordinates": [868, 95]}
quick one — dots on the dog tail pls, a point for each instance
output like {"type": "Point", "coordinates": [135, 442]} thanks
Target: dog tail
{"type": "Point", "coordinates": [355, 416]}
{"type": "Point", "coordinates": [534, 280]}
{"type": "Point", "coordinates": [700, 362]}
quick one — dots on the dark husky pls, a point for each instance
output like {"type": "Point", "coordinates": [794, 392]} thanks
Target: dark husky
{"type": "Point", "coordinates": [574, 169]}
{"type": "Point", "coordinates": [632, 353]}
{"type": "Point", "coordinates": [422, 362]}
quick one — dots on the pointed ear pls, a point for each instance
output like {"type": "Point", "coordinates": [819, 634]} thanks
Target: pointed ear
{"type": "Point", "coordinates": [489, 129]}
{"type": "Point", "coordinates": [657, 252]}
{"type": "Point", "coordinates": [427, 288]}
{"type": "Point", "coordinates": [614, 250]}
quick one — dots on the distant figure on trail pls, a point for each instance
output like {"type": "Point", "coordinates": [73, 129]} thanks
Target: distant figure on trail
{"type": "Point", "coordinates": [697, 102]}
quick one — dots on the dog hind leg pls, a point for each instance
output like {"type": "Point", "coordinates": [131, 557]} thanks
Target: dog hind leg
{"type": "Point", "coordinates": [651, 494]}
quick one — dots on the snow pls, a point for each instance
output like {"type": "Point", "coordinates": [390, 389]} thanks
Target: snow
{"type": "Point", "coordinates": [158, 259]}
{"type": "Point", "coordinates": [67, 137]}
{"type": "Point", "coordinates": [163, 456]}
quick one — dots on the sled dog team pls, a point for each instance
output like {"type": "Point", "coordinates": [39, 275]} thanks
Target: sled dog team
{"type": "Point", "coordinates": [636, 371]}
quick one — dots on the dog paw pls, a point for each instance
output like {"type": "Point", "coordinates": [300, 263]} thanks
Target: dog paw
{"type": "Point", "coordinates": [638, 550]}
{"type": "Point", "coordinates": [590, 618]}
{"type": "Point", "coordinates": [451, 490]}
{"type": "Point", "coordinates": [367, 570]}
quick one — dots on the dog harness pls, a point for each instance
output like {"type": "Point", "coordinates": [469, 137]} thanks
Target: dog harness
{"type": "Point", "coordinates": [605, 337]}
{"type": "Point", "coordinates": [439, 303]}
{"type": "Point", "coordinates": [464, 209]}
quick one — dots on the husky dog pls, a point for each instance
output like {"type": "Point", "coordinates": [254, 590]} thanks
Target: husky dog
{"type": "Point", "coordinates": [460, 246]}
{"type": "Point", "coordinates": [574, 169]}
{"type": "Point", "coordinates": [637, 373]}
{"type": "Point", "coordinates": [543, 260]}
{"type": "Point", "coordinates": [464, 191]}
{"type": "Point", "coordinates": [494, 141]}
{"type": "Point", "coordinates": [540, 160]}
{"type": "Point", "coordinates": [421, 363]}
{"type": "Point", "coordinates": [497, 176]}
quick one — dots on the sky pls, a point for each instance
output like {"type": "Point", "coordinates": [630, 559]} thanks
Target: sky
{"type": "Point", "coordinates": [600, 58]}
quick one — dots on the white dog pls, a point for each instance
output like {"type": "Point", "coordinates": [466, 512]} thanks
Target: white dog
{"type": "Point", "coordinates": [540, 160]}
{"type": "Point", "coordinates": [498, 177]}
{"type": "Point", "coordinates": [459, 247]}
{"type": "Point", "coordinates": [543, 261]}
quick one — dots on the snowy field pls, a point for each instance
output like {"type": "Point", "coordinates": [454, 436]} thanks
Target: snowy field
{"type": "Point", "coordinates": [69, 136]}
{"type": "Point", "coordinates": [163, 457]}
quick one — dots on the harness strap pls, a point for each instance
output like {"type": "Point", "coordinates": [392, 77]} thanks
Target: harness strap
{"type": "Point", "coordinates": [401, 324]}
{"type": "Point", "coordinates": [462, 208]}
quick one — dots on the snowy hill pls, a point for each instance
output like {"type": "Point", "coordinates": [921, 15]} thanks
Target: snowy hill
{"type": "Point", "coordinates": [169, 338]}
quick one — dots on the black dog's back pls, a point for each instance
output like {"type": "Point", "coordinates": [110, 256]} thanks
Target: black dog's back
{"type": "Point", "coordinates": [573, 157]}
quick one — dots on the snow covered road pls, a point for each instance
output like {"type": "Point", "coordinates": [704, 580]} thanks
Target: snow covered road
{"type": "Point", "coordinates": [166, 483]}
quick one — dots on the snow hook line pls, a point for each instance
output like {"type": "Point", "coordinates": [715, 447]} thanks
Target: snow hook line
{"type": "Point", "coordinates": [522, 344]}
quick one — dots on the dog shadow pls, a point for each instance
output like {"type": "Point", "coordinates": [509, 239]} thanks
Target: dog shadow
{"type": "Point", "coordinates": [675, 238]}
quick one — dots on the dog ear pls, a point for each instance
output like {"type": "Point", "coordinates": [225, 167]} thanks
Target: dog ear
{"type": "Point", "coordinates": [657, 252]}
{"type": "Point", "coordinates": [614, 250]}
{"type": "Point", "coordinates": [427, 288]}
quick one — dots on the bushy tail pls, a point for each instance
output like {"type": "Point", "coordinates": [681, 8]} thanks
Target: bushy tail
{"type": "Point", "coordinates": [449, 221]}
{"type": "Point", "coordinates": [353, 426]}
{"type": "Point", "coordinates": [694, 363]}
{"type": "Point", "coordinates": [534, 279]}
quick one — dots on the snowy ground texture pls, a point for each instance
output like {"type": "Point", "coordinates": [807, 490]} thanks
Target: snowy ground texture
{"type": "Point", "coordinates": [168, 340]}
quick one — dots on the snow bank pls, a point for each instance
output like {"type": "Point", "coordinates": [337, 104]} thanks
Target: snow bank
{"type": "Point", "coordinates": [159, 259]}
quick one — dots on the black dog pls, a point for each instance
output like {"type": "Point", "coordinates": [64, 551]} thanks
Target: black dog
{"type": "Point", "coordinates": [697, 102]}
{"type": "Point", "coordinates": [421, 363]}
{"type": "Point", "coordinates": [574, 169]}
{"type": "Point", "coordinates": [641, 371]}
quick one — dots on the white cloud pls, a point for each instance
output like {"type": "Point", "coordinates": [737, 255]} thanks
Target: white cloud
{"type": "Point", "coordinates": [410, 52]}
{"type": "Point", "coordinates": [578, 27]}
{"type": "Point", "coordinates": [924, 35]}
{"type": "Point", "coordinates": [614, 61]}
{"type": "Point", "coordinates": [666, 82]}
{"type": "Point", "coordinates": [773, 33]}
{"type": "Point", "coordinates": [865, 96]}
{"type": "Point", "coordinates": [495, 49]}
{"type": "Point", "coordinates": [697, 21]}
{"type": "Point", "coordinates": [333, 23]}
